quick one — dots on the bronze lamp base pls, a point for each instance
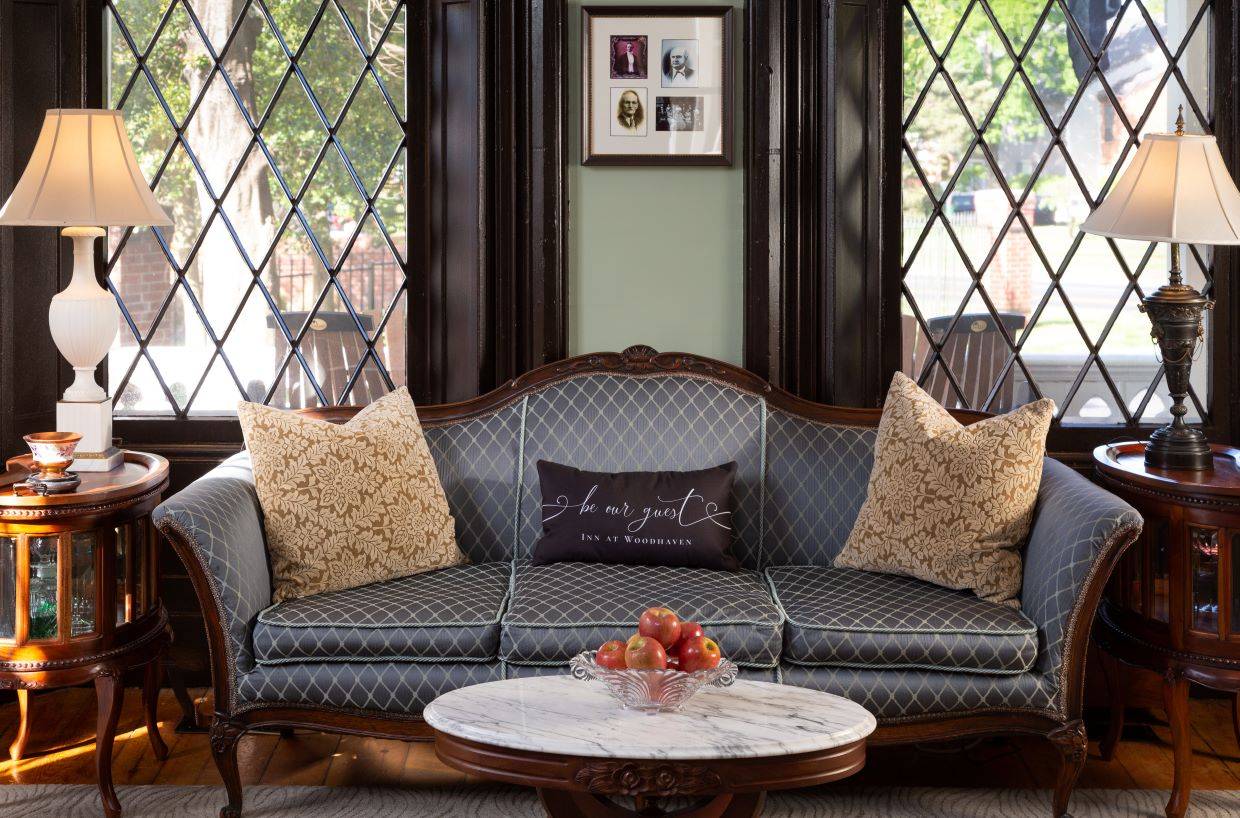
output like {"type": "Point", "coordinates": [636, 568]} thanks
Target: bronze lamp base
{"type": "Point", "coordinates": [1176, 310]}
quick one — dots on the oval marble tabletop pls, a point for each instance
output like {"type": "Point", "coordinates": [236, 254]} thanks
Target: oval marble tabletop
{"type": "Point", "coordinates": [567, 716]}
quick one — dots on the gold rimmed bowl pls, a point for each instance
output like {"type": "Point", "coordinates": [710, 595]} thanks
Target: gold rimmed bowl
{"type": "Point", "coordinates": [52, 453]}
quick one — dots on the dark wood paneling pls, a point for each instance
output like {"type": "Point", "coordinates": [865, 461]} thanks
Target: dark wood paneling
{"type": "Point", "coordinates": [454, 193]}
{"type": "Point", "coordinates": [780, 96]}
{"type": "Point", "coordinates": [1225, 326]}
{"type": "Point", "coordinates": [493, 197]}
{"type": "Point", "coordinates": [529, 297]}
{"type": "Point", "coordinates": [861, 200]}
{"type": "Point", "coordinates": [815, 197]}
{"type": "Point", "coordinates": [29, 256]}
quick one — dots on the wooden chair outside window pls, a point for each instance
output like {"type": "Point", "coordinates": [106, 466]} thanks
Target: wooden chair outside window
{"type": "Point", "coordinates": [332, 347]}
{"type": "Point", "coordinates": [975, 352]}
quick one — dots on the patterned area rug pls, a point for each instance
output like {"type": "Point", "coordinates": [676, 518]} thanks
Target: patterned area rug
{"type": "Point", "coordinates": [80, 801]}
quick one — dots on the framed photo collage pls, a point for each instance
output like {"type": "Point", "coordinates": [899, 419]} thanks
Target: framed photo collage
{"type": "Point", "coordinates": [657, 85]}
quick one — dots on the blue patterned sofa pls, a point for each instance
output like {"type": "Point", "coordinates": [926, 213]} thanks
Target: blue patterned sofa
{"type": "Point", "coordinates": [928, 662]}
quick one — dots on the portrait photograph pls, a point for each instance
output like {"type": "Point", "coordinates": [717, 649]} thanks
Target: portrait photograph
{"type": "Point", "coordinates": [680, 59]}
{"type": "Point", "coordinates": [657, 85]}
{"type": "Point", "coordinates": [678, 113]}
{"type": "Point", "coordinates": [629, 107]}
{"type": "Point", "coordinates": [628, 57]}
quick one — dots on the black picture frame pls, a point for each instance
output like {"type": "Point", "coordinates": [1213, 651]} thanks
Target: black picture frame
{"type": "Point", "coordinates": [592, 50]}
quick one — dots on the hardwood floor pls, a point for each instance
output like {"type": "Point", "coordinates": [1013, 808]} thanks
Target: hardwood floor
{"type": "Point", "coordinates": [61, 750]}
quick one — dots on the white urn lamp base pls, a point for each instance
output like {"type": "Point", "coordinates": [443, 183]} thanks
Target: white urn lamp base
{"type": "Point", "coordinates": [93, 421]}
{"type": "Point", "coordinates": [83, 318]}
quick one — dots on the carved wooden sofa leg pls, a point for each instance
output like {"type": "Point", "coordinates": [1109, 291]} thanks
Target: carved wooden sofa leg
{"type": "Point", "coordinates": [225, 735]}
{"type": "Point", "coordinates": [1072, 743]}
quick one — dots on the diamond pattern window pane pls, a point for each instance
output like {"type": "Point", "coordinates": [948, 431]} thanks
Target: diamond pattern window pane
{"type": "Point", "coordinates": [1019, 116]}
{"type": "Point", "coordinates": [273, 132]}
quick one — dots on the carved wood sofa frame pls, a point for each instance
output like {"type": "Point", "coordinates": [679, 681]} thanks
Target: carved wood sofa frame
{"type": "Point", "coordinates": [1066, 734]}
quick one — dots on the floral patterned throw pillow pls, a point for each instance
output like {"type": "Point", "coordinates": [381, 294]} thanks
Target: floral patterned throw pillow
{"type": "Point", "coordinates": [348, 504]}
{"type": "Point", "coordinates": [947, 503]}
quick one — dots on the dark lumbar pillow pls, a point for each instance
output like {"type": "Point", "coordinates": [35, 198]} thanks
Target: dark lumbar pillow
{"type": "Point", "coordinates": [673, 518]}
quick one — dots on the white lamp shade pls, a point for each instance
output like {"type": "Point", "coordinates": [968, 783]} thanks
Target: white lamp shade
{"type": "Point", "coordinates": [1176, 189]}
{"type": "Point", "coordinates": [83, 172]}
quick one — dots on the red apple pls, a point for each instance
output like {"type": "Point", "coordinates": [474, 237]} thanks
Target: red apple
{"type": "Point", "coordinates": [700, 653]}
{"type": "Point", "coordinates": [661, 624]}
{"type": "Point", "coordinates": [611, 655]}
{"type": "Point", "coordinates": [644, 653]}
{"type": "Point", "coordinates": [632, 639]}
{"type": "Point", "coordinates": [690, 630]}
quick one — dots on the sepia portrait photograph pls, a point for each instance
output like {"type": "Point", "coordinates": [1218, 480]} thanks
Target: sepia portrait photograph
{"type": "Point", "coordinates": [630, 107]}
{"type": "Point", "coordinates": [657, 85]}
{"type": "Point", "coordinates": [680, 59]}
{"type": "Point", "coordinates": [628, 57]}
{"type": "Point", "coordinates": [678, 113]}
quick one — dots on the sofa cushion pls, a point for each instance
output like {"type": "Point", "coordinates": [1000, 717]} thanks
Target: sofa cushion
{"type": "Point", "coordinates": [559, 610]}
{"type": "Point", "coordinates": [894, 696]}
{"type": "Point", "coordinates": [849, 618]}
{"type": "Point", "coordinates": [448, 615]}
{"type": "Point", "coordinates": [373, 687]}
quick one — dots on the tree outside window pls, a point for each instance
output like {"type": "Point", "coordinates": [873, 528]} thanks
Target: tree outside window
{"type": "Point", "coordinates": [273, 133]}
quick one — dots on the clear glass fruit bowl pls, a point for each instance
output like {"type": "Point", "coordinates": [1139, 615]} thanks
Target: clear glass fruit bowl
{"type": "Point", "coordinates": [652, 691]}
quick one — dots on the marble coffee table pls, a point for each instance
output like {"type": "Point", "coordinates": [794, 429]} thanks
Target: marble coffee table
{"type": "Point", "coordinates": [721, 752]}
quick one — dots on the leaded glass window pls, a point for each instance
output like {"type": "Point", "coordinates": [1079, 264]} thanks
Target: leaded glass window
{"type": "Point", "coordinates": [273, 132]}
{"type": "Point", "coordinates": [1018, 116]}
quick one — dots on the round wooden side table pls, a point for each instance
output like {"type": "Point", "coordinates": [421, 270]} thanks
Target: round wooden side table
{"type": "Point", "coordinates": [79, 599]}
{"type": "Point", "coordinates": [1173, 603]}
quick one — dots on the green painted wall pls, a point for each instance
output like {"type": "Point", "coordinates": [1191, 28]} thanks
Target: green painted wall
{"type": "Point", "coordinates": [655, 254]}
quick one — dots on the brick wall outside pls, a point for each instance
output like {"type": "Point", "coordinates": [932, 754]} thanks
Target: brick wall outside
{"type": "Point", "coordinates": [1009, 278]}
{"type": "Point", "coordinates": [143, 278]}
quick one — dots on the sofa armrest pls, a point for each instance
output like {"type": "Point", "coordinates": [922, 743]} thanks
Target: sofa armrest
{"type": "Point", "coordinates": [215, 524]}
{"type": "Point", "coordinates": [1079, 532]}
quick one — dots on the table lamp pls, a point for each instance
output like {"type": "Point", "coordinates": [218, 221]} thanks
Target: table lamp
{"type": "Point", "coordinates": [1176, 189]}
{"type": "Point", "coordinates": [83, 176]}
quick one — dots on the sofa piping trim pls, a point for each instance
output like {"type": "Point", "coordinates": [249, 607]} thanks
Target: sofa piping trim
{"type": "Point", "coordinates": [907, 666]}
{"type": "Point", "coordinates": [499, 617]}
{"type": "Point", "coordinates": [762, 485]}
{"type": "Point", "coordinates": [362, 660]}
{"type": "Point", "coordinates": [628, 623]}
{"type": "Point", "coordinates": [835, 424]}
{"type": "Point", "coordinates": [503, 605]}
{"type": "Point", "coordinates": [519, 483]}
